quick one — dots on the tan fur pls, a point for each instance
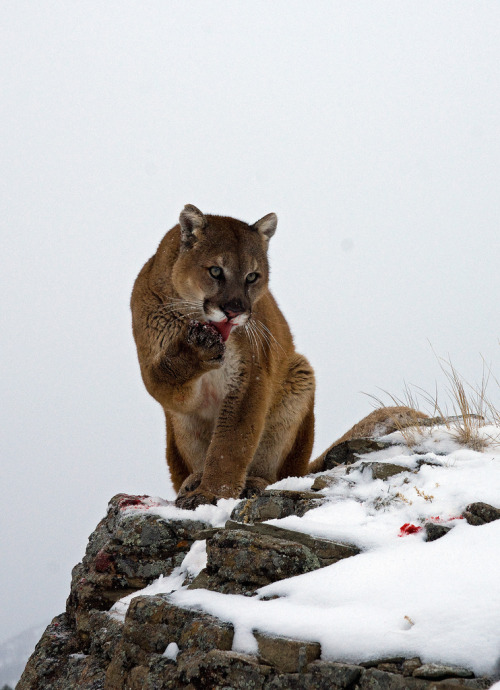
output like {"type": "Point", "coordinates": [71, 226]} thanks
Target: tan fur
{"type": "Point", "coordinates": [239, 414]}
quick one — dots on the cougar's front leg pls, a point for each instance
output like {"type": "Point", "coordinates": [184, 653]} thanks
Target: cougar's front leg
{"type": "Point", "coordinates": [235, 440]}
{"type": "Point", "coordinates": [173, 377]}
{"type": "Point", "coordinates": [191, 483]}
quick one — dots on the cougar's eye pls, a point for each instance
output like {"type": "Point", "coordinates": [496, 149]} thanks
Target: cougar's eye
{"type": "Point", "coordinates": [216, 271]}
{"type": "Point", "coordinates": [252, 277]}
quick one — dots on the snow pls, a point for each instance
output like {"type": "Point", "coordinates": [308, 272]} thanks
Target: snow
{"type": "Point", "coordinates": [369, 513]}
{"type": "Point", "coordinates": [171, 651]}
{"type": "Point", "coordinates": [294, 483]}
{"type": "Point", "coordinates": [194, 562]}
{"type": "Point", "coordinates": [401, 596]}
{"type": "Point", "coordinates": [216, 516]}
{"type": "Point", "coordinates": [437, 600]}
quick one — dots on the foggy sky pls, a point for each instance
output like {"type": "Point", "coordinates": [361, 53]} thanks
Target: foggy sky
{"type": "Point", "coordinates": [370, 128]}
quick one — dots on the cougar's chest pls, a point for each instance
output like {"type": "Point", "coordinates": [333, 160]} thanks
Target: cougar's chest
{"type": "Point", "coordinates": [215, 385]}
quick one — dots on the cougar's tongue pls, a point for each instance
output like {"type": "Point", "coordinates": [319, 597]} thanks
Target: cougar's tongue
{"type": "Point", "coordinates": [224, 328]}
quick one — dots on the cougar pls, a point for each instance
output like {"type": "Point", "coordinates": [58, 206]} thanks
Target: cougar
{"type": "Point", "coordinates": [217, 353]}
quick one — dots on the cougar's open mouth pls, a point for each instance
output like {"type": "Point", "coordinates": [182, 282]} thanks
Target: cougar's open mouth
{"type": "Point", "coordinates": [223, 327]}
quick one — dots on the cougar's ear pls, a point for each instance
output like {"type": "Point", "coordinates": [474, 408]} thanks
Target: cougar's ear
{"type": "Point", "coordinates": [192, 221]}
{"type": "Point", "coordinates": [266, 226]}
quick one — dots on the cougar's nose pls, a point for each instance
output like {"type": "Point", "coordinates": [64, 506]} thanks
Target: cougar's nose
{"type": "Point", "coordinates": [233, 308]}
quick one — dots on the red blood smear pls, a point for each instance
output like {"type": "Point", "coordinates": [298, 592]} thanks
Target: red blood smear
{"type": "Point", "coordinates": [224, 328]}
{"type": "Point", "coordinates": [130, 501]}
{"type": "Point", "coordinates": [408, 528]}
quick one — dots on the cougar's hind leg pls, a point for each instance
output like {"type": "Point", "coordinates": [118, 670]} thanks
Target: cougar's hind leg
{"type": "Point", "coordinates": [287, 440]}
{"type": "Point", "coordinates": [297, 461]}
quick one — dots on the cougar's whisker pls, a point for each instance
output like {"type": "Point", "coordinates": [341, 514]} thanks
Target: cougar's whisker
{"type": "Point", "coordinates": [272, 336]}
{"type": "Point", "coordinates": [264, 336]}
{"type": "Point", "coordinates": [254, 339]}
{"type": "Point", "coordinates": [261, 337]}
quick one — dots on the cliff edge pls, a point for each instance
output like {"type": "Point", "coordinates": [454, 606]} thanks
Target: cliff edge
{"type": "Point", "coordinates": [319, 582]}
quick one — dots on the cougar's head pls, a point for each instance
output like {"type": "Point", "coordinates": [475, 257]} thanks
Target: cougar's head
{"type": "Point", "coordinates": [222, 267]}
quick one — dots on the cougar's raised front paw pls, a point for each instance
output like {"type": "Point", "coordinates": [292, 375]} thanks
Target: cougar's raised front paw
{"type": "Point", "coordinates": [207, 340]}
{"type": "Point", "coordinates": [194, 499]}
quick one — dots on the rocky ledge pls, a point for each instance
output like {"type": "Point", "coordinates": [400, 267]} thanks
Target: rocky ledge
{"type": "Point", "coordinates": [159, 645]}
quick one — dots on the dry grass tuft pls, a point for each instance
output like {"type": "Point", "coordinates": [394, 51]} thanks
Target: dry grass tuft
{"type": "Point", "coordinates": [470, 408]}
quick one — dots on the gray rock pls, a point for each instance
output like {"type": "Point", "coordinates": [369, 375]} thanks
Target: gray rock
{"type": "Point", "coordinates": [481, 513]}
{"type": "Point", "coordinates": [373, 679]}
{"type": "Point", "coordinates": [292, 681]}
{"type": "Point", "coordinates": [326, 680]}
{"type": "Point", "coordinates": [390, 668]}
{"type": "Point", "coordinates": [275, 504]}
{"type": "Point", "coordinates": [104, 635]}
{"type": "Point", "coordinates": [376, 663]}
{"type": "Point", "coordinates": [326, 550]}
{"type": "Point", "coordinates": [213, 670]}
{"type": "Point", "coordinates": [409, 665]}
{"type": "Point", "coordinates": [159, 674]}
{"type": "Point", "coordinates": [126, 552]}
{"type": "Point", "coordinates": [223, 670]}
{"type": "Point", "coordinates": [347, 452]}
{"type": "Point", "coordinates": [206, 533]}
{"type": "Point", "coordinates": [121, 672]}
{"type": "Point", "coordinates": [335, 674]}
{"type": "Point", "coordinates": [380, 470]}
{"type": "Point", "coordinates": [286, 655]}
{"type": "Point", "coordinates": [240, 561]}
{"type": "Point", "coordinates": [201, 581]}
{"type": "Point", "coordinates": [435, 531]}
{"type": "Point", "coordinates": [438, 671]}
{"type": "Point", "coordinates": [59, 664]}
{"type": "Point", "coordinates": [431, 462]}
{"type": "Point", "coordinates": [321, 675]}
{"type": "Point", "coordinates": [324, 481]}
{"type": "Point", "coordinates": [458, 683]}
{"type": "Point", "coordinates": [152, 622]}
